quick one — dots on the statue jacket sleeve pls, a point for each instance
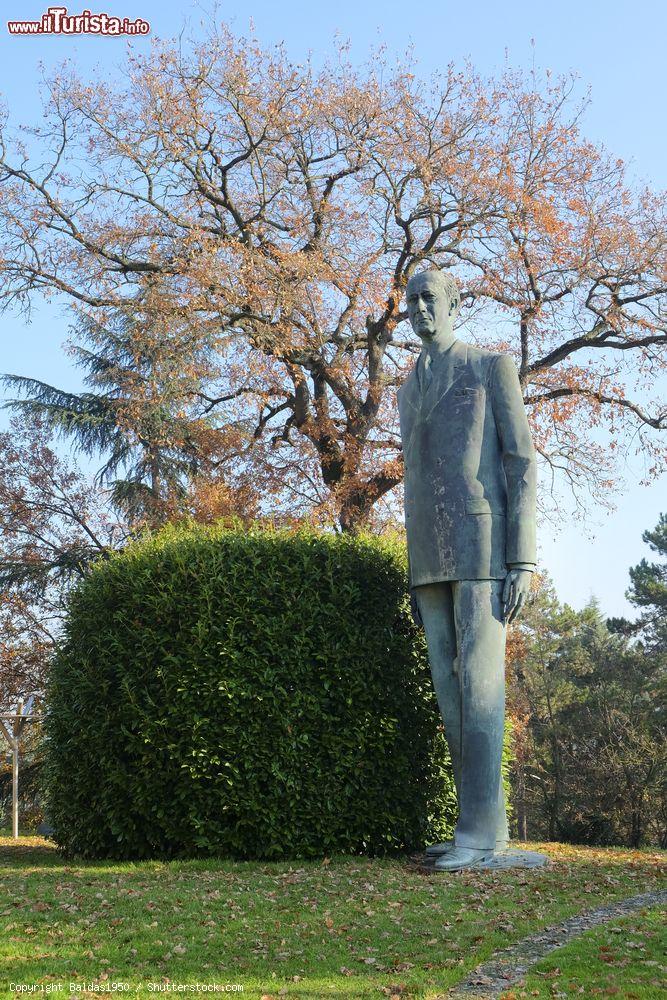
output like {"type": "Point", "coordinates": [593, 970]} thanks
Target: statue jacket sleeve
{"type": "Point", "coordinates": [518, 458]}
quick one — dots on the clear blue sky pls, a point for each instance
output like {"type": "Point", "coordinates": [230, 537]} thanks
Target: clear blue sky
{"type": "Point", "coordinates": [615, 47]}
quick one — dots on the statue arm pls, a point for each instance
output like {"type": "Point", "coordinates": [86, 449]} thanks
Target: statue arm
{"type": "Point", "coordinates": [518, 457]}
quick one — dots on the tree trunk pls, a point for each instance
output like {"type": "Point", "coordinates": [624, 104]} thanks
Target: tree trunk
{"type": "Point", "coordinates": [353, 518]}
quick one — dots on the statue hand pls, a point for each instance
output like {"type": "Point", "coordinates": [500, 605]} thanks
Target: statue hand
{"type": "Point", "coordinates": [515, 592]}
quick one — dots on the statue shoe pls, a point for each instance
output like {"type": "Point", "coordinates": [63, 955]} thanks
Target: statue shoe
{"type": "Point", "coordinates": [435, 850]}
{"type": "Point", "coordinates": [461, 857]}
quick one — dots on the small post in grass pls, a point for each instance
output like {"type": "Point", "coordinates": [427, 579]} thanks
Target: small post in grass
{"type": "Point", "coordinates": [13, 736]}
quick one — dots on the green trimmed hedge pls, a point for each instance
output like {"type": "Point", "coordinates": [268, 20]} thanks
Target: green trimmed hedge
{"type": "Point", "coordinates": [245, 693]}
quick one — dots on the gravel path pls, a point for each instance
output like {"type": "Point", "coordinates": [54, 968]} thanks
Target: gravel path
{"type": "Point", "coordinates": [511, 964]}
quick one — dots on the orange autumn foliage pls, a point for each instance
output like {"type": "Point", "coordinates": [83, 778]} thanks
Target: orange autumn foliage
{"type": "Point", "coordinates": [279, 210]}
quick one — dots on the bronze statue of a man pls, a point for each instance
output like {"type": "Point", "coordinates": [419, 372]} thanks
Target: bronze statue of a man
{"type": "Point", "coordinates": [470, 476]}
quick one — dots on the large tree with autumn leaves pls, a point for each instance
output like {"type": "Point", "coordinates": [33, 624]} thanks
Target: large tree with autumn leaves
{"type": "Point", "coordinates": [279, 211]}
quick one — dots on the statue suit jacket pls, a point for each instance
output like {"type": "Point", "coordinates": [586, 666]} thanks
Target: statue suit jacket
{"type": "Point", "coordinates": [470, 468]}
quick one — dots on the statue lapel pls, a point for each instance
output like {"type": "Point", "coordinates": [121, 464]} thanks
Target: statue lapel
{"type": "Point", "coordinates": [448, 372]}
{"type": "Point", "coordinates": [410, 391]}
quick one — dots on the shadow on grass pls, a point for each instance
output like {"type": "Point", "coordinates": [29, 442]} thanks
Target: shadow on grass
{"type": "Point", "coordinates": [42, 852]}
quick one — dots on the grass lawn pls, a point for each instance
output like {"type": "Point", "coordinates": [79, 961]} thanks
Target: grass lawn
{"type": "Point", "coordinates": [624, 958]}
{"type": "Point", "coordinates": [344, 926]}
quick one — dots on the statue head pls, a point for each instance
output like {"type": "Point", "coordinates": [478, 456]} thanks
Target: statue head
{"type": "Point", "coordinates": [433, 304]}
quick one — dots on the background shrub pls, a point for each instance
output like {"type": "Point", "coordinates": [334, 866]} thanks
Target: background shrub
{"type": "Point", "coordinates": [250, 693]}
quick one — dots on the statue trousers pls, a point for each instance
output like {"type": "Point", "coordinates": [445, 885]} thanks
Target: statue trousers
{"type": "Point", "coordinates": [465, 636]}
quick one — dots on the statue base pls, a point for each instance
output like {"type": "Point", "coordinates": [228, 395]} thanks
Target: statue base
{"type": "Point", "coordinates": [513, 857]}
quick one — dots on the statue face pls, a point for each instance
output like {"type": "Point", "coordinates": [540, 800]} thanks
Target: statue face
{"type": "Point", "coordinates": [429, 308]}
